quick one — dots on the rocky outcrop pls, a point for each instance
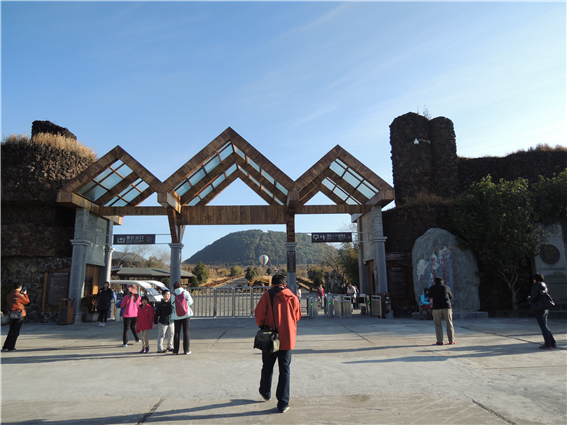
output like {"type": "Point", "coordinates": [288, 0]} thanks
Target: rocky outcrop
{"type": "Point", "coordinates": [437, 254]}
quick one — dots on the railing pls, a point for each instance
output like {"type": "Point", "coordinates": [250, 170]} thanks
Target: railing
{"type": "Point", "coordinates": [225, 302]}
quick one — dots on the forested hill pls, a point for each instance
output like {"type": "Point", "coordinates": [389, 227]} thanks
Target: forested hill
{"type": "Point", "coordinates": [244, 248]}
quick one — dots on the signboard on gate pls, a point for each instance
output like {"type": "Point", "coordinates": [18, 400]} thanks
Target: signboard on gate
{"type": "Point", "coordinates": [331, 237]}
{"type": "Point", "coordinates": [134, 239]}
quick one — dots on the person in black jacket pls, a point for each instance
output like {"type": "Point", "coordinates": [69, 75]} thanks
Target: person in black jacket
{"type": "Point", "coordinates": [442, 296]}
{"type": "Point", "coordinates": [105, 296]}
{"type": "Point", "coordinates": [163, 318]}
{"type": "Point", "coordinates": [539, 288]}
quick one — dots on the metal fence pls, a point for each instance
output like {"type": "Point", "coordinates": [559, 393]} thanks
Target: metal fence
{"type": "Point", "coordinates": [225, 302]}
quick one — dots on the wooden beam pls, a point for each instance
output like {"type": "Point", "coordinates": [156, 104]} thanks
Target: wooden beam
{"type": "Point", "coordinates": [72, 200]}
{"type": "Point", "coordinates": [169, 199]}
{"type": "Point", "coordinates": [219, 189]}
{"type": "Point", "coordinates": [336, 199]}
{"type": "Point", "coordinates": [256, 214]}
{"type": "Point", "coordinates": [132, 211]}
{"type": "Point", "coordinates": [333, 209]}
{"type": "Point", "coordinates": [195, 162]}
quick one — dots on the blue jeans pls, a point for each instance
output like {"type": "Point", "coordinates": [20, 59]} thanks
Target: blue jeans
{"type": "Point", "coordinates": [541, 317]}
{"type": "Point", "coordinates": [284, 361]}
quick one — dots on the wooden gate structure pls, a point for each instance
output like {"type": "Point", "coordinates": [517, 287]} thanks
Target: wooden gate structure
{"type": "Point", "coordinates": [115, 185]}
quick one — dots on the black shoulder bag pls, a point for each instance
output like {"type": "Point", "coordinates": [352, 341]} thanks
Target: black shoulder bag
{"type": "Point", "coordinates": [268, 339]}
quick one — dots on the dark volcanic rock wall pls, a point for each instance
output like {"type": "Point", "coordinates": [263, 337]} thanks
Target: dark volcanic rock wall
{"type": "Point", "coordinates": [36, 231]}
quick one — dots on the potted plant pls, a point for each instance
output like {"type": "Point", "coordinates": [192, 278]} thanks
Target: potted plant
{"type": "Point", "coordinates": [88, 304]}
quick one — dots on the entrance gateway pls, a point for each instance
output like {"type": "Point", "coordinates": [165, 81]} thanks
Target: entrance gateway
{"type": "Point", "coordinates": [115, 185]}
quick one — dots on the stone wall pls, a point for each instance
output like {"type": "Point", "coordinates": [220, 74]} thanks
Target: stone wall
{"type": "Point", "coordinates": [36, 231]}
{"type": "Point", "coordinates": [50, 128]}
{"type": "Point", "coordinates": [529, 165]}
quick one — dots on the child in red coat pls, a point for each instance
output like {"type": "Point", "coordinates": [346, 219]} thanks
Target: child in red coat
{"type": "Point", "coordinates": [145, 322]}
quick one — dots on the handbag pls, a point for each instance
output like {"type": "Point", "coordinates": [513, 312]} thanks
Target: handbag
{"type": "Point", "coordinates": [268, 339]}
{"type": "Point", "coordinates": [17, 315]}
{"type": "Point", "coordinates": [544, 302]}
{"type": "Point", "coordinates": [425, 306]}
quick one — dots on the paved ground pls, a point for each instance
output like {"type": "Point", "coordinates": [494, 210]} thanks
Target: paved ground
{"type": "Point", "coordinates": [361, 370]}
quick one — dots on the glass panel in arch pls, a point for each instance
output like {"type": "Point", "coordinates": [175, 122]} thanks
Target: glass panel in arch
{"type": "Point", "coordinates": [278, 201]}
{"type": "Point", "coordinates": [231, 170]}
{"type": "Point", "coordinates": [196, 177]}
{"type": "Point", "coordinates": [111, 181]}
{"type": "Point", "coordinates": [96, 193]}
{"type": "Point", "coordinates": [341, 163]}
{"type": "Point", "coordinates": [352, 201]}
{"type": "Point", "coordinates": [268, 192]}
{"type": "Point", "coordinates": [206, 191]}
{"type": "Point", "coordinates": [142, 186]}
{"type": "Point", "coordinates": [353, 181]}
{"type": "Point", "coordinates": [118, 203]}
{"type": "Point", "coordinates": [226, 151]}
{"type": "Point", "coordinates": [194, 201]}
{"type": "Point", "coordinates": [337, 168]}
{"type": "Point", "coordinates": [183, 188]}
{"type": "Point", "coordinates": [254, 180]}
{"type": "Point", "coordinates": [329, 184]}
{"type": "Point", "coordinates": [219, 180]}
{"type": "Point", "coordinates": [340, 193]}
{"type": "Point", "coordinates": [86, 188]}
{"type": "Point", "coordinates": [124, 170]}
{"type": "Point", "coordinates": [253, 164]}
{"type": "Point", "coordinates": [102, 175]}
{"type": "Point", "coordinates": [267, 176]}
{"type": "Point", "coordinates": [243, 170]}
{"type": "Point", "coordinates": [130, 196]}
{"type": "Point", "coordinates": [239, 152]}
{"type": "Point", "coordinates": [281, 188]}
{"type": "Point", "coordinates": [213, 162]}
{"type": "Point", "coordinates": [365, 190]}
{"type": "Point", "coordinates": [372, 188]}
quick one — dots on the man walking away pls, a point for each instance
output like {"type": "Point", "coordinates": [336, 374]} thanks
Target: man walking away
{"type": "Point", "coordinates": [286, 312]}
{"type": "Point", "coordinates": [442, 296]}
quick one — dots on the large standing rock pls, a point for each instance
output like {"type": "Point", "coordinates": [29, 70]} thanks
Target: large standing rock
{"type": "Point", "coordinates": [437, 254]}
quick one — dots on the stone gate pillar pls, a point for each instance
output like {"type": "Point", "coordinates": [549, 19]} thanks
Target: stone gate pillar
{"type": "Point", "coordinates": [175, 265]}
{"type": "Point", "coordinates": [77, 275]}
{"type": "Point", "coordinates": [291, 273]}
{"type": "Point", "coordinates": [107, 271]}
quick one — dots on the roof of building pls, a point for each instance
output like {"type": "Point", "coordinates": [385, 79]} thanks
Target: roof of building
{"type": "Point", "coordinates": [147, 273]}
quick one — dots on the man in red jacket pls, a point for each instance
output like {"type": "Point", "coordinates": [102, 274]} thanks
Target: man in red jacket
{"type": "Point", "coordinates": [283, 307]}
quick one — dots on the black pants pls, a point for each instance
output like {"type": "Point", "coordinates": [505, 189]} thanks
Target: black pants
{"type": "Point", "coordinates": [13, 334]}
{"type": "Point", "coordinates": [102, 315]}
{"type": "Point", "coordinates": [541, 317]}
{"type": "Point", "coordinates": [283, 389]}
{"type": "Point", "coordinates": [176, 335]}
{"type": "Point", "coordinates": [129, 322]}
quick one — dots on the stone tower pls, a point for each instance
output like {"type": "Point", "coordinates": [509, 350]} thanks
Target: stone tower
{"type": "Point", "coordinates": [424, 157]}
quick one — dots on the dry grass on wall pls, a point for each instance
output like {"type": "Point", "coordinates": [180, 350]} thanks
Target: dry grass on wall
{"type": "Point", "coordinates": [421, 199]}
{"type": "Point", "coordinates": [54, 141]}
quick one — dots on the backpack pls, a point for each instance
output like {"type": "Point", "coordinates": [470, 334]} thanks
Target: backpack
{"type": "Point", "coordinates": [181, 307]}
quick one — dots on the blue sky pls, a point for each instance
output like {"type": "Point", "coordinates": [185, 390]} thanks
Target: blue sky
{"type": "Point", "coordinates": [293, 78]}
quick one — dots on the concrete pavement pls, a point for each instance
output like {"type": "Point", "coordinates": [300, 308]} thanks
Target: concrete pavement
{"type": "Point", "coordinates": [362, 370]}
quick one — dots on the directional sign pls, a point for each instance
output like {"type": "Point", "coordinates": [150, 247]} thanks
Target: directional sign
{"type": "Point", "coordinates": [331, 237]}
{"type": "Point", "coordinates": [134, 239]}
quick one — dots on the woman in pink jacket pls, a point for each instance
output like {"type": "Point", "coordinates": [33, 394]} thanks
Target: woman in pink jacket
{"type": "Point", "coordinates": [130, 304]}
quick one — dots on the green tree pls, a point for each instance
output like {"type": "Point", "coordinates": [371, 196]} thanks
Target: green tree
{"type": "Point", "coordinates": [269, 271]}
{"type": "Point", "coordinates": [549, 196]}
{"type": "Point", "coordinates": [497, 221]}
{"type": "Point", "coordinates": [201, 271]}
{"type": "Point", "coordinates": [236, 271]}
{"type": "Point", "coordinates": [155, 263]}
{"type": "Point", "coordinates": [251, 273]}
{"type": "Point", "coordinates": [194, 282]}
{"type": "Point", "coordinates": [349, 262]}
